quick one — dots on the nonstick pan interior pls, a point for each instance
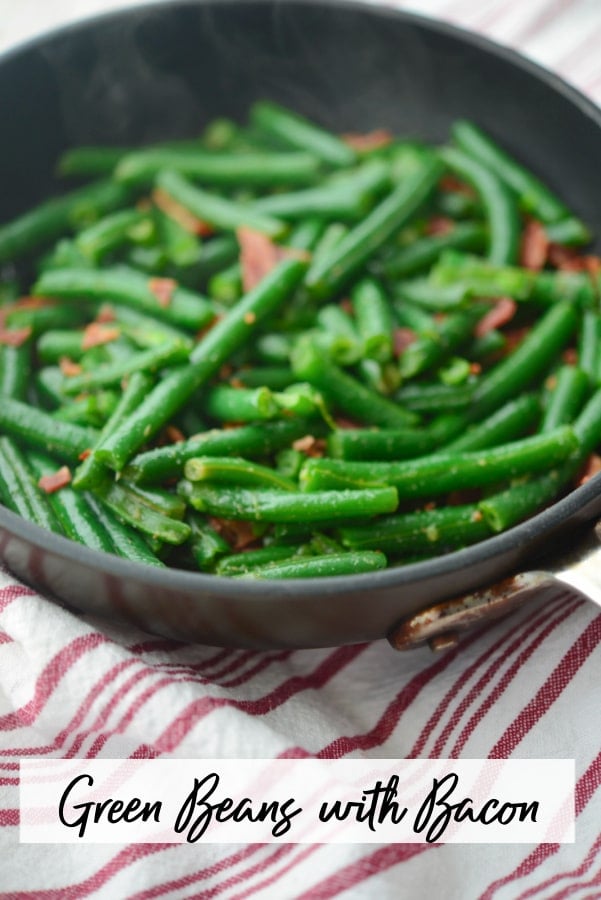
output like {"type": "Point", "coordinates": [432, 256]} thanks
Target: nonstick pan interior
{"type": "Point", "coordinates": [164, 71]}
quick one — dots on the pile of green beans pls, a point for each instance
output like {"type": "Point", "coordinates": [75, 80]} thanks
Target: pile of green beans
{"type": "Point", "coordinates": [264, 353]}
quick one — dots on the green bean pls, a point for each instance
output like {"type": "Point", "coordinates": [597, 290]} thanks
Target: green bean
{"type": "Point", "coordinates": [18, 487]}
{"type": "Point", "coordinates": [230, 404]}
{"type": "Point", "coordinates": [289, 462]}
{"type": "Point", "coordinates": [179, 306]}
{"type": "Point", "coordinates": [182, 248]}
{"type": "Point", "coordinates": [149, 361]}
{"type": "Point", "coordinates": [528, 362]}
{"type": "Point", "coordinates": [15, 366]}
{"type": "Point", "coordinates": [217, 346]}
{"type": "Point", "coordinates": [262, 169]}
{"type": "Point", "coordinates": [435, 397]}
{"type": "Point", "coordinates": [346, 197]}
{"type": "Point", "coordinates": [373, 314]}
{"type": "Point", "coordinates": [40, 430]}
{"type": "Point", "coordinates": [146, 330]}
{"type": "Point", "coordinates": [91, 161]}
{"type": "Point", "coordinates": [505, 424]}
{"type": "Point", "coordinates": [132, 509]}
{"type": "Point", "coordinates": [295, 131]}
{"type": "Point", "coordinates": [384, 378]}
{"type": "Point", "coordinates": [283, 506]}
{"type": "Point", "coordinates": [53, 345]}
{"type": "Point", "coordinates": [249, 440]}
{"type": "Point", "coordinates": [320, 566]}
{"type": "Point", "coordinates": [92, 472]}
{"type": "Point", "coordinates": [276, 378]}
{"type": "Point", "coordinates": [423, 253]}
{"type": "Point", "coordinates": [442, 472]}
{"type": "Point", "coordinates": [206, 544]}
{"type": "Point", "coordinates": [432, 296]}
{"type": "Point", "coordinates": [429, 532]}
{"type": "Point", "coordinates": [470, 276]}
{"type": "Point", "coordinates": [430, 350]}
{"type": "Point", "coordinates": [92, 410]}
{"type": "Point", "coordinates": [487, 345]}
{"type": "Point", "coordinates": [566, 398]}
{"type": "Point", "coordinates": [344, 391]}
{"type": "Point", "coordinates": [127, 542]}
{"type": "Point", "coordinates": [332, 236]}
{"type": "Point", "coordinates": [328, 275]}
{"type": "Point", "coordinates": [226, 285]}
{"type": "Point", "coordinates": [534, 196]}
{"type": "Point", "coordinates": [235, 470]}
{"type": "Point", "coordinates": [215, 255]}
{"type": "Point", "coordinates": [306, 234]}
{"type": "Point", "coordinates": [45, 316]}
{"type": "Point", "coordinates": [111, 232]}
{"type": "Point", "coordinates": [384, 444]}
{"type": "Point", "coordinates": [52, 218]}
{"type": "Point", "coordinates": [589, 345]}
{"type": "Point", "coordinates": [338, 335]}
{"type": "Point", "coordinates": [215, 210]}
{"type": "Point", "coordinates": [237, 563]}
{"type": "Point", "coordinates": [72, 510]}
{"type": "Point", "coordinates": [497, 200]}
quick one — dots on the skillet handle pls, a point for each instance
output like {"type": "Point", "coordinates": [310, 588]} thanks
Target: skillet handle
{"type": "Point", "coordinates": [440, 625]}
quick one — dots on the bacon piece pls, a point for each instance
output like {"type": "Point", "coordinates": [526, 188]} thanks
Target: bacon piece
{"type": "Point", "coordinates": [174, 435]}
{"type": "Point", "coordinates": [569, 260]}
{"type": "Point", "coordinates": [310, 446]}
{"type": "Point", "coordinates": [14, 337]}
{"type": "Point", "coordinates": [343, 423]}
{"type": "Point", "coordinates": [68, 367]}
{"type": "Point", "coordinates": [95, 335]}
{"type": "Point", "coordinates": [514, 338]}
{"type": "Point", "coordinates": [502, 312]}
{"type": "Point", "coordinates": [570, 356]}
{"type": "Point", "coordinates": [259, 255]}
{"type": "Point", "coordinates": [439, 225]}
{"type": "Point", "coordinates": [452, 185]}
{"type": "Point", "coordinates": [371, 140]}
{"type": "Point", "coordinates": [534, 246]}
{"type": "Point", "coordinates": [106, 314]}
{"type": "Point", "coordinates": [346, 305]}
{"type": "Point", "coordinates": [181, 215]}
{"type": "Point", "coordinates": [163, 289]}
{"type": "Point", "coordinates": [84, 454]}
{"type": "Point", "coordinates": [237, 533]}
{"type": "Point", "coordinates": [56, 481]}
{"type": "Point", "coordinates": [591, 467]}
{"type": "Point", "coordinates": [401, 339]}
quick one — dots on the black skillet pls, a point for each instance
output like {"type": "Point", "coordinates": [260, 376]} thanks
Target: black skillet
{"type": "Point", "coordinates": [164, 71]}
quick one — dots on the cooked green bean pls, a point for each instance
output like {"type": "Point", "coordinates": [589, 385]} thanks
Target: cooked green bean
{"type": "Point", "coordinates": [440, 473]}
{"type": "Point", "coordinates": [505, 424]}
{"type": "Point", "coordinates": [15, 370]}
{"type": "Point", "coordinates": [132, 509]}
{"type": "Point", "coordinates": [235, 470]}
{"type": "Point", "coordinates": [111, 232]}
{"type": "Point", "coordinates": [423, 253]}
{"type": "Point", "coordinates": [206, 544]}
{"type": "Point", "coordinates": [237, 563]}
{"type": "Point", "coordinates": [284, 506]}
{"type": "Point", "coordinates": [295, 131]}
{"type": "Point", "coordinates": [163, 299]}
{"type": "Point", "coordinates": [153, 360]}
{"type": "Point", "coordinates": [40, 430]}
{"type": "Point", "coordinates": [373, 314]}
{"type": "Point", "coordinates": [19, 488]}
{"type": "Point", "coordinates": [216, 210]}
{"type": "Point", "coordinates": [565, 398]}
{"type": "Point", "coordinates": [331, 273]}
{"type": "Point", "coordinates": [320, 566]}
{"type": "Point", "coordinates": [127, 542]}
{"type": "Point", "coordinates": [382, 444]}
{"type": "Point", "coordinates": [497, 200]}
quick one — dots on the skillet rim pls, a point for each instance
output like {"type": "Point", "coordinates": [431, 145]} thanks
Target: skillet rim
{"type": "Point", "coordinates": [553, 518]}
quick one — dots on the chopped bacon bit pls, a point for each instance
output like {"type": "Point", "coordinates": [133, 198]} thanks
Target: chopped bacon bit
{"type": "Point", "coordinates": [346, 305]}
{"type": "Point", "coordinates": [84, 454]}
{"type": "Point", "coordinates": [428, 507]}
{"type": "Point", "coordinates": [68, 367]}
{"type": "Point", "coordinates": [95, 335]}
{"type": "Point", "coordinates": [180, 214]}
{"type": "Point", "coordinates": [238, 534]}
{"type": "Point", "coordinates": [200, 334]}
{"type": "Point", "coordinates": [56, 481]}
{"type": "Point", "coordinates": [310, 446]}
{"type": "Point", "coordinates": [236, 383]}
{"type": "Point", "coordinates": [258, 256]}
{"type": "Point", "coordinates": [174, 435]}
{"type": "Point", "coordinates": [502, 312]}
{"type": "Point", "coordinates": [514, 338]}
{"type": "Point", "coordinates": [372, 140]}
{"type": "Point", "coordinates": [250, 318]}
{"type": "Point", "coordinates": [401, 339]}
{"type": "Point", "coordinates": [569, 260]}
{"type": "Point", "coordinates": [163, 289]}
{"type": "Point", "coordinates": [591, 467]}
{"type": "Point", "coordinates": [439, 225]}
{"type": "Point", "coordinates": [440, 316]}
{"type": "Point", "coordinates": [570, 356]}
{"type": "Point", "coordinates": [225, 371]}
{"type": "Point", "coordinates": [477, 516]}
{"type": "Point", "coordinates": [534, 246]}
{"type": "Point", "coordinates": [106, 314]}
{"type": "Point", "coordinates": [452, 185]}
{"type": "Point", "coordinates": [345, 424]}
{"type": "Point", "coordinates": [14, 337]}
{"type": "Point", "coordinates": [475, 368]}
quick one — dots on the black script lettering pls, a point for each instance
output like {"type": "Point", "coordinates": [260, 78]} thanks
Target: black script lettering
{"type": "Point", "coordinates": [376, 805]}
{"type": "Point", "coordinates": [113, 810]}
{"type": "Point", "coordinates": [435, 814]}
